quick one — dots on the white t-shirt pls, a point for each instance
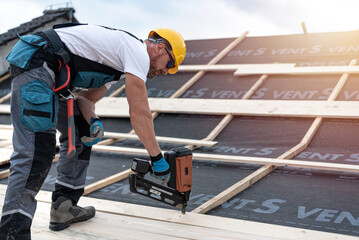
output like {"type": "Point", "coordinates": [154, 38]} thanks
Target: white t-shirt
{"type": "Point", "coordinates": [113, 48]}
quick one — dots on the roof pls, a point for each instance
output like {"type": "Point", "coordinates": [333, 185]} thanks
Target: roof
{"type": "Point", "coordinates": [276, 115]}
{"type": "Point", "coordinates": [28, 27]}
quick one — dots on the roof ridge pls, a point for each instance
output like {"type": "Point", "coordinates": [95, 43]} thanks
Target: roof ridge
{"type": "Point", "coordinates": [28, 27]}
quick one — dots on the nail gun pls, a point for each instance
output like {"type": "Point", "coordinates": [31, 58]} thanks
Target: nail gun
{"type": "Point", "coordinates": [178, 188]}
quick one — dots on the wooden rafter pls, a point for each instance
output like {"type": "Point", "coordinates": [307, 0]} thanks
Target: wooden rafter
{"type": "Point", "coordinates": [265, 170]}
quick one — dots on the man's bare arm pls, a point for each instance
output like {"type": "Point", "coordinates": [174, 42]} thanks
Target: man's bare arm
{"type": "Point", "coordinates": [86, 101]}
{"type": "Point", "coordinates": [140, 114]}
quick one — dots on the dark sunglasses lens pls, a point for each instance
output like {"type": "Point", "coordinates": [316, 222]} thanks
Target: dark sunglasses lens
{"type": "Point", "coordinates": [171, 62]}
{"type": "Point", "coordinates": [169, 65]}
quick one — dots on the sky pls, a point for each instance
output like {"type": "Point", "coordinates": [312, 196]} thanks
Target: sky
{"type": "Point", "coordinates": [197, 19]}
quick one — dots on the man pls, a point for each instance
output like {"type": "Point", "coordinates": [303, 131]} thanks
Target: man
{"type": "Point", "coordinates": [45, 68]}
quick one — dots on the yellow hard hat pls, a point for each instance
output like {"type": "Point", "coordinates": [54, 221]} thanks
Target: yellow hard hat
{"type": "Point", "coordinates": [177, 43]}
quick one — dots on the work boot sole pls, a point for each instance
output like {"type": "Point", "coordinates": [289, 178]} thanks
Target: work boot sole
{"type": "Point", "coordinates": [56, 226]}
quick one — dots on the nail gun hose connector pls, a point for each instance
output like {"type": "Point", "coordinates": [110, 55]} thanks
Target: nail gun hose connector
{"type": "Point", "coordinates": [140, 166]}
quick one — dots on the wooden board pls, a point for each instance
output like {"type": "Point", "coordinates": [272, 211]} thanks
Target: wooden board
{"type": "Point", "coordinates": [242, 71]}
{"type": "Point", "coordinates": [5, 154]}
{"type": "Point", "coordinates": [162, 139]}
{"type": "Point", "coordinates": [117, 220]}
{"type": "Point", "coordinates": [6, 134]}
{"type": "Point", "coordinates": [283, 108]}
{"type": "Point", "coordinates": [5, 108]}
{"type": "Point", "coordinates": [270, 68]}
{"type": "Point", "coordinates": [234, 67]}
{"type": "Point", "coordinates": [265, 170]}
{"type": "Point", "coordinates": [242, 159]}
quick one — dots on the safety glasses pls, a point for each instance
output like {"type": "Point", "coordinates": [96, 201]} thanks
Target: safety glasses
{"type": "Point", "coordinates": [171, 63]}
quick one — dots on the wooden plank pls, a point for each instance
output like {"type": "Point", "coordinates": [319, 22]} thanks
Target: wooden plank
{"type": "Point", "coordinates": [6, 126]}
{"type": "Point", "coordinates": [6, 76]}
{"type": "Point", "coordinates": [117, 220]}
{"type": "Point", "coordinates": [218, 129]}
{"type": "Point", "coordinates": [304, 28]}
{"type": "Point", "coordinates": [186, 86]}
{"type": "Point", "coordinates": [280, 108]}
{"type": "Point", "coordinates": [242, 71]}
{"type": "Point", "coordinates": [162, 139]}
{"type": "Point", "coordinates": [189, 83]}
{"type": "Point", "coordinates": [233, 67]}
{"type": "Point", "coordinates": [5, 143]}
{"type": "Point", "coordinates": [5, 108]}
{"type": "Point", "coordinates": [334, 94]}
{"type": "Point", "coordinates": [5, 154]}
{"type": "Point", "coordinates": [243, 159]}
{"type": "Point", "coordinates": [226, 120]}
{"type": "Point", "coordinates": [265, 170]}
{"type": "Point", "coordinates": [5, 98]}
{"type": "Point", "coordinates": [255, 87]}
{"type": "Point", "coordinates": [118, 91]}
{"type": "Point", "coordinates": [6, 134]}
{"type": "Point", "coordinates": [234, 189]}
{"type": "Point", "coordinates": [216, 59]}
{"type": "Point", "coordinates": [270, 68]}
{"type": "Point", "coordinates": [107, 181]}
{"type": "Point", "coordinates": [246, 182]}
{"type": "Point", "coordinates": [6, 173]}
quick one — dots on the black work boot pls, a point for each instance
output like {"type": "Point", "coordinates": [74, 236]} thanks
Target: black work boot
{"type": "Point", "coordinates": [64, 212]}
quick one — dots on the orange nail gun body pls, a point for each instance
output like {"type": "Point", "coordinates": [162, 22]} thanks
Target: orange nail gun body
{"type": "Point", "coordinates": [179, 186]}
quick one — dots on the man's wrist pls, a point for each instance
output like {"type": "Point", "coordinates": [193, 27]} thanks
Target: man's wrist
{"type": "Point", "coordinates": [156, 158]}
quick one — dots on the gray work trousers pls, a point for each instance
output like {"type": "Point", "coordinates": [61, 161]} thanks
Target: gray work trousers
{"type": "Point", "coordinates": [36, 112]}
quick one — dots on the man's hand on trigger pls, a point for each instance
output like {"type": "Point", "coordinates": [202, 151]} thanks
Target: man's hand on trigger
{"type": "Point", "coordinates": [161, 170]}
{"type": "Point", "coordinates": [96, 132]}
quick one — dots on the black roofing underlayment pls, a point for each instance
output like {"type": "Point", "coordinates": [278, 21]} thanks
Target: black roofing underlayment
{"type": "Point", "coordinates": [304, 198]}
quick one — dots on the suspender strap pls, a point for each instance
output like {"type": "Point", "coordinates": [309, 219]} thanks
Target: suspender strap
{"type": "Point", "coordinates": [57, 44]}
{"type": "Point", "coordinates": [62, 80]}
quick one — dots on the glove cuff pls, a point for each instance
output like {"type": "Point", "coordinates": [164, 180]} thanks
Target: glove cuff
{"type": "Point", "coordinates": [156, 158]}
{"type": "Point", "coordinates": [94, 120]}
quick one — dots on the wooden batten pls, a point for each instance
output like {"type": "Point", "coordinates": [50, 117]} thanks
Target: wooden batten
{"type": "Point", "coordinates": [280, 108]}
{"type": "Point", "coordinates": [242, 159]}
{"type": "Point", "coordinates": [242, 71]}
{"type": "Point", "coordinates": [265, 170]}
{"type": "Point", "coordinates": [6, 76]}
{"type": "Point", "coordinates": [5, 98]}
{"type": "Point", "coordinates": [270, 68]}
{"type": "Point", "coordinates": [107, 181]}
{"type": "Point", "coordinates": [233, 67]}
{"type": "Point", "coordinates": [162, 139]}
{"type": "Point", "coordinates": [118, 220]}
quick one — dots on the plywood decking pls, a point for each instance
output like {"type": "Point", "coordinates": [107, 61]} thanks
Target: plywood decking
{"type": "Point", "coordinates": [116, 220]}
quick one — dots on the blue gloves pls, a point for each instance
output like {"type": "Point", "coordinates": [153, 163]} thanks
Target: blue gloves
{"type": "Point", "coordinates": [96, 131]}
{"type": "Point", "coordinates": [161, 169]}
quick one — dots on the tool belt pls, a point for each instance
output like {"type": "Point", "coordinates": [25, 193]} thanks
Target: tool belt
{"type": "Point", "coordinates": [63, 76]}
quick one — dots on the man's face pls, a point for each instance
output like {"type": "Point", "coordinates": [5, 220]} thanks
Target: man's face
{"type": "Point", "coordinates": [159, 64]}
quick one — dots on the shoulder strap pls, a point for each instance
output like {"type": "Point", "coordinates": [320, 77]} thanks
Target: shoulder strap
{"type": "Point", "coordinates": [57, 44]}
{"type": "Point", "coordinates": [63, 25]}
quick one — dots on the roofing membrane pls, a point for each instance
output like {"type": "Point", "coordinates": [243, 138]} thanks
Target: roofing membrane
{"type": "Point", "coordinates": [299, 197]}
